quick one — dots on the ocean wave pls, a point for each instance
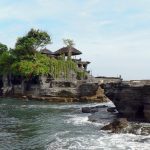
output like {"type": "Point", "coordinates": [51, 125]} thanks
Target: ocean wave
{"type": "Point", "coordinates": [95, 142]}
{"type": "Point", "coordinates": [80, 119]}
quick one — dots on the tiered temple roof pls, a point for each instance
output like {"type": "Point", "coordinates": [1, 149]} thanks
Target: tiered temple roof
{"type": "Point", "coordinates": [46, 51]}
{"type": "Point", "coordinates": [65, 51]}
{"type": "Point", "coordinates": [81, 64]}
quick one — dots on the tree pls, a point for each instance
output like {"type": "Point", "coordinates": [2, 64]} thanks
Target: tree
{"type": "Point", "coordinates": [33, 67]}
{"type": "Point", "coordinates": [3, 48]}
{"type": "Point", "coordinates": [27, 45]}
{"type": "Point", "coordinates": [69, 43]}
{"type": "Point", "coordinates": [26, 61]}
{"type": "Point", "coordinates": [6, 60]}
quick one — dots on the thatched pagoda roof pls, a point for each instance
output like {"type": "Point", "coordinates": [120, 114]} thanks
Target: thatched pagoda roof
{"type": "Point", "coordinates": [46, 51]}
{"type": "Point", "coordinates": [65, 51]}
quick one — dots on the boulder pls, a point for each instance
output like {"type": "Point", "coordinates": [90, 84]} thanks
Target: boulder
{"type": "Point", "coordinates": [93, 109]}
{"type": "Point", "coordinates": [117, 125]}
{"type": "Point", "coordinates": [89, 109]}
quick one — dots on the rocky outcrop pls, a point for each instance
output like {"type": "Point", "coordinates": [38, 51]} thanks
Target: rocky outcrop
{"type": "Point", "coordinates": [132, 100]}
{"type": "Point", "coordinates": [113, 123]}
{"type": "Point", "coordinates": [121, 125]}
{"type": "Point", "coordinates": [117, 125]}
{"type": "Point", "coordinates": [92, 92]}
{"type": "Point", "coordinates": [71, 91]}
{"type": "Point", "coordinates": [46, 88]}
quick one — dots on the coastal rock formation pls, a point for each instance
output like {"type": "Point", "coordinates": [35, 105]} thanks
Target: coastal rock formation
{"type": "Point", "coordinates": [132, 99]}
{"type": "Point", "coordinates": [113, 123]}
{"type": "Point", "coordinates": [92, 91]}
{"type": "Point", "coordinates": [45, 88]}
{"type": "Point", "coordinates": [121, 125]}
{"type": "Point", "coordinates": [117, 125]}
{"type": "Point", "coordinates": [89, 110]}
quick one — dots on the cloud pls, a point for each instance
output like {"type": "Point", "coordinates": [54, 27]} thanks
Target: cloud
{"type": "Point", "coordinates": [32, 10]}
{"type": "Point", "coordinates": [113, 35]}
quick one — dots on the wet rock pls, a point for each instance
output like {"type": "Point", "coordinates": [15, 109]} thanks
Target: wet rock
{"type": "Point", "coordinates": [132, 99]}
{"type": "Point", "coordinates": [117, 125]}
{"type": "Point", "coordinates": [112, 109]}
{"type": "Point", "coordinates": [93, 109]}
{"type": "Point", "coordinates": [138, 129]}
{"type": "Point", "coordinates": [89, 109]}
{"type": "Point", "coordinates": [86, 110]}
{"type": "Point", "coordinates": [101, 106]}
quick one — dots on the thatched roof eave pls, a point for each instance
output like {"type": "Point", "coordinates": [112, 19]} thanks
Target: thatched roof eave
{"type": "Point", "coordinates": [65, 51]}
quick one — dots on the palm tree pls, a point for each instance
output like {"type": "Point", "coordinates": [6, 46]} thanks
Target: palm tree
{"type": "Point", "coordinates": [69, 43]}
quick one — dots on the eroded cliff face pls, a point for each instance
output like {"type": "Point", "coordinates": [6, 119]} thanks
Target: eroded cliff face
{"type": "Point", "coordinates": [131, 100]}
{"type": "Point", "coordinates": [45, 88]}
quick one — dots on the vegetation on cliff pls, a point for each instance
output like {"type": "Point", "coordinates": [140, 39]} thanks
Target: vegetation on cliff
{"type": "Point", "coordinates": [26, 60]}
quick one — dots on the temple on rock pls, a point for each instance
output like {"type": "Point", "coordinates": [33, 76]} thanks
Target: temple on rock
{"type": "Point", "coordinates": [64, 52]}
{"type": "Point", "coordinates": [74, 80]}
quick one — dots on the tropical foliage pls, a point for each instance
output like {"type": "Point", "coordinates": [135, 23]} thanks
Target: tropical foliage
{"type": "Point", "coordinates": [27, 61]}
{"type": "Point", "coordinates": [3, 48]}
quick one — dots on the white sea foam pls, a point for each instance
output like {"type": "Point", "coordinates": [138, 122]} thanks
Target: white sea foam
{"type": "Point", "coordinates": [96, 139]}
{"type": "Point", "coordinates": [79, 106]}
{"type": "Point", "coordinates": [79, 119]}
{"type": "Point", "coordinates": [93, 142]}
{"type": "Point", "coordinates": [65, 130]}
{"type": "Point", "coordinates": [63, 106]}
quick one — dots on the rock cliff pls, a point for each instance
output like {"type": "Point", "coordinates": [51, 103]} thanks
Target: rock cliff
{"type": "Point", "coordinates": [132, 99]}
{"type": "Point", "coordinates": [55, 90]}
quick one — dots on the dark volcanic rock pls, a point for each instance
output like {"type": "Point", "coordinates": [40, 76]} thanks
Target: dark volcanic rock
{"type": "Point", "coordinates": [86, 109]}
{"type": "Point", "coordinates": [92, 92]}
{"type": "Point", "coordinates": [89, 110]}
{"type": "Point", "coordinates": [112, 109]}
{"type": "Point", "coordinates": [123, 126]}
{"type": "Point", "coordinates": [117, 125]}
{"type": "Point", "coordinates": [132, 100]}
{"type": "Point", "coordinates": [92, 109]}
{"type": "Point", "coordinates": [52, 90]}
{"type": "Point", "coordinates": [139, 129]}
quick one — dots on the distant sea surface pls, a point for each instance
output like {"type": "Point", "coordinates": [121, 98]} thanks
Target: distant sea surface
{"type": "Point", "coordinates": [35, 125]}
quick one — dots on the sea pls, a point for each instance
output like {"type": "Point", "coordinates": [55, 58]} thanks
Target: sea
{"type": "Point", "coordinates": [39, 125]}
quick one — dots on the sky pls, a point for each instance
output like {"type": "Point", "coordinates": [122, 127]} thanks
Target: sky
{"type": "Point", "coordinates": [114, 35]}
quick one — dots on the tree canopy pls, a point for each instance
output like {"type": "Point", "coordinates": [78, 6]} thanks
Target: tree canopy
{"type": "Point", "coordinates": [27, 45]}
{"type": "Point", "coordinates": [3, 48]}
{"type": "Point", "coordinates": [69, 43]}
{"type": "Point", "coordinates": [26, 60]}
{"type": "Point", "coordinates": [6, 60]}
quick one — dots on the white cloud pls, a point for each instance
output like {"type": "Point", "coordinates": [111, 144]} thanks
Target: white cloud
{"type": "Point", "coordinates": [111, 34]}
{"type": "Point", "coordinates": [32, 10]}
